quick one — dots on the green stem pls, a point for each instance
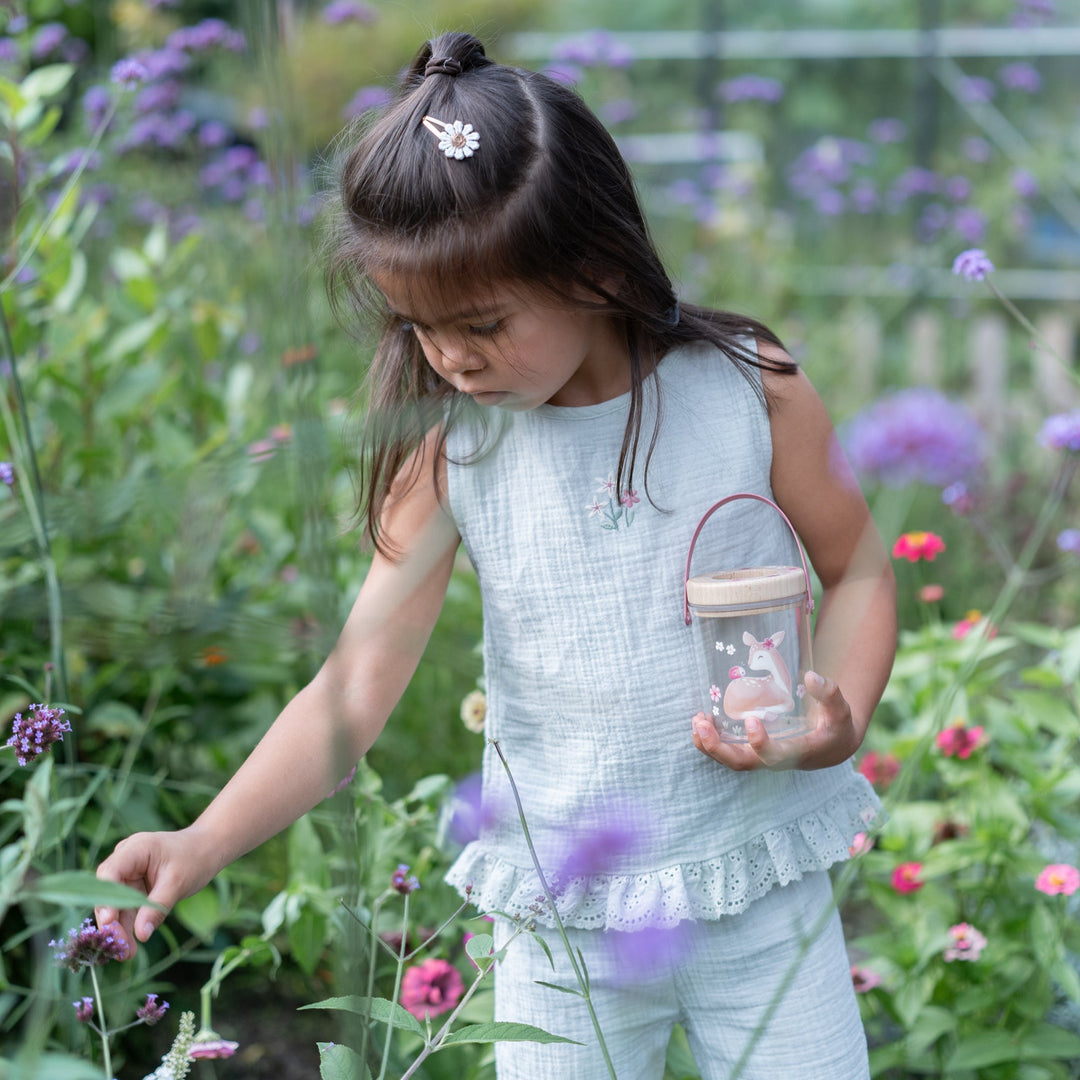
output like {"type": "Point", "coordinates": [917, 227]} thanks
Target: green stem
{"type": "Point", "coordinates": [1030, 327]}
{"type": "Point", "coordinates": [106, 1055]}
{"type": "Point", "coordinates": [375, 908]}
{"type": "Point", "coordinates": [397, 986]}
{"type": "Point", "coordinates": [582, 981]}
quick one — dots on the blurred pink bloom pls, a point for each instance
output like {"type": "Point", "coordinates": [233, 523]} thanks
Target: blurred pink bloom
{"type": "Point", "coordinates": [959, 740]}
{"type": "Point", "coordinates": [968, 623]}
{"type": "Point", "coordinates": [931, 594]}
{"type": "Point", "coordinates": [864, 978]}
{"type": "Point", "coordinates": [84, 1009]}
{"type": "Point", "coordinates": [209, 1044]}
{"type": "Point", "coordinates": [860, 845]}
{"type": "Point", "coordinates": [967, 944]}
{"type": "Point", "coordinates": [906, 877]}
{"type": "Point", "coordinates": [919, 545]}
{"type": "Point", "coordinates": [880, 769]}
{"type": "Point", "coordinates": [1058, 878]}
{"type": "Point", "coordinates": [431, 988]}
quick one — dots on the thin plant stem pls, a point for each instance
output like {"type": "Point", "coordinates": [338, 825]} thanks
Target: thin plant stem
{"type": "Point", "coordinates": [578, 973]}
{"type": "Point", "coordinates": [375, 908]}
{"type": "Point", "coordinates": [106, 1055]}
{"type": "Point", "coordinates": [397, 986]}
{"type": "Point", "coordinates": [1033, 330]}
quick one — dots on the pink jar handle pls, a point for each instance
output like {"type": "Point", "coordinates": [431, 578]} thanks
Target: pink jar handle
{"type": "Point", "coordinates": [709, 513]}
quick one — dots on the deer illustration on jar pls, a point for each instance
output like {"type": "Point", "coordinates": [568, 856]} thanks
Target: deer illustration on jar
{"type": "Point", "coordinates": [768, 609]}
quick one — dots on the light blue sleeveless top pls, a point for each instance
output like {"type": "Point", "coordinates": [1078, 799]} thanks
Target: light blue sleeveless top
{"type": "Point", "coordinates": [592, 675]}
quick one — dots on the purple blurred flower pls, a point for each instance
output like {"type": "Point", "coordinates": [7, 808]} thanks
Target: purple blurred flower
{"type": "Point", "coordinates": [7, 473]}
{"type": "Point", "coordinates": [684, 192]}
{"type": "Point", "coordinates": [87, 945]}
{"type": "Point", "coordinates": [976, 148]}
{"type": "Point", "coordinates": [161, 63]}
{"type": "Point", "coordinates": [95, 103]}
{"type": "Point", "coordinates": [642, 955]}
{"type": "Point", "coordinates": [864, 197]}
{"type": "Point", "coordinates": [970, 223]}
{"type": "Point", "coordinates": [1062, 432]}
{"type": "Point", "coordinates": [84, 1009]}
{"type": "Point", "coordinates": [205, 35]}
{"type": "Point", "coordinates": [1024, 184]}
{"type": "Point", "coordinates": [751, 88]}
{"type": "Point", "coordinates": [402, 881]}
{"type": "Point", "coordinates": [74, 51]}
{"type": "Point", "coordinates": [1020, 77]}
{"type": "Point", "coordinates": [915, 181]}
{"type": "Point", "coordinates": [1069, 540]}
{"type": "Point", "coordinates": [213, 134]}
{"type": "Point", "coordinates": [48, 38]}
{"type": "Point", "coordinates": [931, 221]}
{"type": "Point", "coordinates": [598, 48]}
{"type": "Point", "coordinates": [367, 97]}
{"type": "Point", "coordinates": [340, 11]}
{"type": "Point", "coordinates": [958, 188]}
{"type": "Point", "coordinates": [33, 734]}
{"type": "Point", "coordinates": [887, 129]}
{"type": "Point", "coordinates": [829, 202]}
{"type": "Point", "coordinates": [977, 90]}
{"type": "Point", "coordinates": [157, 96]}
{"type": "Point", "coordinates": [618, 111]}
{"type": "Point", "coordinates": [151, 1011]}
{"type": "Point", "coordinates": [16, 24]}
{"type": "Point", "coordinates": [466, 813]}
{"type": "Point", "coordinates": [594, 848]}
{"type": "Point", "coordinates": [972, 265]}
{"type": "Point", "coordinates": [128, 73]}
{"type": "Point", "coordinates": [567, 74]}
{"type": "Point", "coordinates": [249, 344]}
{"type": "Point", "coordinates": [958, 498]}
{"type": "Point", "coordinates": [9, 51]}
{"type": "Point", "coordinates": [915, 435]}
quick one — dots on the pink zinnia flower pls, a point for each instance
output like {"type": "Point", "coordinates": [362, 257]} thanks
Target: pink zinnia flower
{"type": "Point", "coordinates": [967, 944]}
{"type": "Point", "coordinates": [864, 979]}
{"type": "Point", "coordinates": [959, 740]}
{"type": "Point", "coordinates": [906, 877]}
{"type": "Point", "coordinates": [1058, 878]}
{"type": "Point", "coordinates": [431, 988]}
{"type": "Point", "coordinates": [931, 594]}
{"type": "Point", "coordinates": [880, 769]}
{"type": "Point", "coordinates": [968, 623]}
{"type": "Point", "coordinates": [915, 546]}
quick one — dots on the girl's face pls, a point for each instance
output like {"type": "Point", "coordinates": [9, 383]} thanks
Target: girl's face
{"type": "Point", "coordinates": [511, 347]}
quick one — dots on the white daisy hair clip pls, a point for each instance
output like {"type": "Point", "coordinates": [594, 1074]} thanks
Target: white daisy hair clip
{"type": "Point", "coordinates": [457, 140]}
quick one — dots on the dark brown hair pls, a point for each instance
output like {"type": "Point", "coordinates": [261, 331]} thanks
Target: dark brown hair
{"type": "Point", "coordinates": [546, 202]}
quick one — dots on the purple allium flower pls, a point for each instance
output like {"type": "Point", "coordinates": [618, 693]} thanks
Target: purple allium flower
{"type": "Point", "coordinates": [7, 473]}
{"type": "Point", "coordinates": [751, 88]}
{"type": "Point", "coordinates": [1062, 432]}
{"type": "Point", "coordinates": [1021, 77]}
{"type": "Point", "coordinates": [151, 1011]}
{"type": "Point", "coordinates": [367, 97]}
{"type": "Point", "coordinates": [128, 73]}
{"type": "Point", "coordinates": [84, 1009]}
{"type": "Point", "coordinates": [1024, 184]}
{"type": "Point", "coordinates": [34, 734]}
{"type": "Point", "coordinates": [887, 129]}
{"type": "Point", "coordinates": [49, 37]}
{"type": "Point", "coordinates": [9, 51]}
{"type": "Point", "coordinates": [87, 945]}
{"type": "Point", "coordinates": [1069, 540]}
{"type": "Point", "coordinates": [915, 435]}
{"type": "Point", "coordinates": [972, 264]}
{"type": "Point", "coordinates": [976, 148]}
{"type": "Point", "coordinates": [977, 90]}
{"type": "Point", "coordinates": [340, 11]}
{"type": "Point", "coordinates": [402, 881]}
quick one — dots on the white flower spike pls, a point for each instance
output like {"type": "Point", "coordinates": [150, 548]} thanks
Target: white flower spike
{"type": "Point", "coordinates": [457, 140]}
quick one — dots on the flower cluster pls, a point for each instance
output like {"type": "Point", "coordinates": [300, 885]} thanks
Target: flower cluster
{"type": "Point", "coordinates": [402, 881]}
{"type": "Point", "coordinates": [431, 988]}
{"type": "Point", "coordinates": [33, 734]}
{"type": "Point", "coordinates": [1062, 432]}
{"type": "Point", "coordinates": [916, 546]}
{"type": "Point", "coordinates": [959, 740]}
{"type": "Point", "coordinates": [88, 945]}
{"type": "Point", "coordinates": [152, 1010]}
{"type": "Point", "coordinates": [751, 88]}
{"type": "Point", "coordinates": [1058, 879]}
{"type": "Point", "coordinates": [342, 11]}
{"type": "Point", "coordinates": [973, 265]}
{"type": "Point", "coordinates": [7, 473]}
{"type": "Point", "coordinates": [967, 943]}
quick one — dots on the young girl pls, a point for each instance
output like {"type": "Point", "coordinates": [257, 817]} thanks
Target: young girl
{"type": "Point", "coordinates": [539, 394]}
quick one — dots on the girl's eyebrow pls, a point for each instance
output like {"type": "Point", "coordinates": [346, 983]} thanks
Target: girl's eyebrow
{"type": "Point", "coordinates": [470, 315]}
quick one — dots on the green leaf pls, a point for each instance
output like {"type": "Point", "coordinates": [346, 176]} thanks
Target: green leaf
{"type": "Point", "coordinates": [47, 81]}
{"type": "Point", "coordinates": [11, 95]}
{"type": "Point", "coordinates": [479, 947]}
{"type": "Point", "coordinates": [307, 862]}
{"type": "Point", "coordinates": [931, 1024]}
{"type": "Point", "coordinates": [307, 934]}
{"type": "Point", "coordinates": [503, 1031]}
{"type": "Point", "coordinates": [338, 1062]}
{"type": "Point", "coordinates": [562, 989]}
{"type": "Point", "coordinates": [134, 336]}
{"type": "Point", "coordinates": [1048, 1041]}
{"type": "Point", "coordinates": [49, 1067]}
{"type": "Point", "coordinates": [201, 913]}
{"type": "Point", "coordinates": [42, 128]}
{"type": "Point", "coordinates": [985, 1048]}
{"type": "Point", "coordinates": [80, 887]}
{"type": "Point", "coordinates": [1045, 936]}
{"type": "Point", "coordinates": [65, 299]}
{"type": "Point", "coordinates": [379, 1009]}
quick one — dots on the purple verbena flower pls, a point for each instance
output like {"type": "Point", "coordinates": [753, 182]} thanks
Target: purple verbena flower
{"type": "Point", "coordinates": [915, 435]}
{"type": "Point", "coordinates": [958, 498]}
{"type": "Point", "coordinates": [165, 62]}
{"type": "Point", "coordinates": [16, 24]}
{"type": "Point", "coordinates": [655, 952]}
{"type": "Point", "coordinates": [367, 97]}
{"type": "Point", "coordinates": [340, 11]}
{"type": "Point", "coordinates": [1021, 77]}
{"type": "Point", "coordinates": [48, 38]}
{"type": "Point", "coordinates": [598, 48]}
{"type": "Point", "coordinates": [595, 849]}
{"type": "Point", "coordinates": [976, 148]}
{"type": "Point", "coordinates": [618, 111]}
{"type": "Point", "coordinates": [84, 1009]}
{"type": "Point", "coordinates": [1024, 184]}
{"type": "Point", "coordinates": [7, 473]}
{"type": "Point", "coordinates": [158, 95]}
{"type": "Point", "coordinates": [751, 88]}
{"type": "Point", "coordinates": [970, 223]}
{"type": "Point", "coordinates": [205, 35]}
{"type": "Point", "coordinates": [128, 73]}
{"type": "Point", "coordinates": [972, 265]}
{"type": "Point", "coordinates": [915, 181]}
{"type": "Point", "coordinates": [1069, 540]}
{"type": "Point", "coordinates": [87, 945]}
{"type": "Point", "coordinates": [958, 188]}
{"type": "Point", "coordinates": [37, 731]}
{"type": "Point", "coordinates": [977, 90]}
{"type": "Point", "coordinates": [9, 51]}
{"type": "Point", "coordinates": [1062, 432]}
{"type": "Point", "coordinates": [864, 197]}
{"type": "Point", "coordinates": [151, 1011]}
{"type": "Point", "coordinates": [402, 881]}
{"type": "Point", "coordinates": [213, 134]}
{"type": "Point", "coordinates": [887, 129]}
{"type": "Point", "coordinates": [567, 74]}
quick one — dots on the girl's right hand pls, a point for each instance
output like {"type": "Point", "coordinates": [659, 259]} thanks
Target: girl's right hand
{"type": "Point", "coordinates": [167, 866]}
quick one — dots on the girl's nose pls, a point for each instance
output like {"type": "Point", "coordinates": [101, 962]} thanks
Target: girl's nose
{"type": "Point", "coordinates": [458, 356]}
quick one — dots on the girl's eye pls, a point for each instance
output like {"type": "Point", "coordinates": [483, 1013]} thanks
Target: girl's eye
{"type": "Point", "coordinates": [488, 330]}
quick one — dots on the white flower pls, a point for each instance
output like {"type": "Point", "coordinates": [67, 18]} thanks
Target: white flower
{"type": "Point", "coordinates": [458, 140]}
{"type": "Point", "coordinates": [474, 710]}
{"type": "Point", "coordinates": [719, 646]}
{"type": "Point", "coordinates": [716, 710]}
{"type": "Point", "coordinates": [594, 508]}
{"type": "Point", "coordinates": [730, 650]}
{"type": "Point", "coordinates": [607, 487]}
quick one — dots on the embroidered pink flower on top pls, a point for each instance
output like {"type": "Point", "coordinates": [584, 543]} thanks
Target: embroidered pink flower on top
{"type": "Point", "coordinates": [1058, 879]}
{"type": "Point", "coordinates": [629, 498]}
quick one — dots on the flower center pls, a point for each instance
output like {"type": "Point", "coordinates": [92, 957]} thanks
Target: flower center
{"type": "Point", "coordinates": [457, 139]}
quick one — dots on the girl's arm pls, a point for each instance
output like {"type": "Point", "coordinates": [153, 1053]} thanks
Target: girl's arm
{"type": "Point", "coordinates": [855, 631]}
{"type": "Point", "coordinates": [326, 728]}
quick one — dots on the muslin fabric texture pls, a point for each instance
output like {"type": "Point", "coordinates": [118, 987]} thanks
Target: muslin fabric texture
{"type": "Point", "coordinates": [592, 675]}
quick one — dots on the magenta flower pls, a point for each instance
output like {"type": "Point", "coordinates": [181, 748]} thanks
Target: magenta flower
{"type": "Point", "coordinates": [967, 943]}
{"type": "Point", "coordinates": [128, 73]}
{"type": "Point", "coordinates": [402, 882]}
{"type": "Point", "coordinates": [864, 979]}
{"type": "Point", "coordinates": [959, 740]}
{"type": "Point", "coordinates": [151, 1011]}
{"type": "Point", "coordinates": [87, 945]}
{"type": "Point", "coordinates": [907, 877]}
{"type": "Point", "coordinates": [33, 734]}
{"type": "Point", "coordinates": [84, 1010]}
{"type": "Point", "coordinates": [973, 265]}
{"type": "Point", "coordinates": [1061, 432]}
{"type": "Point", "coordinates": [860, 845]}
{"type": "Point", "coordinates": [431, 988]}
{"type": "Point", "coordinates": [1058, 879]}
{"type": "Point", "coordinates": [880, 769]}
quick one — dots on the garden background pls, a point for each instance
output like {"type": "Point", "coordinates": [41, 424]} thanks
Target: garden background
{"type": "Point", "coordinates": [176, 545]}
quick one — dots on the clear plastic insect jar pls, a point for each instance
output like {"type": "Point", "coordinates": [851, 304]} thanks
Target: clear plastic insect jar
{"type": "Point", "coordinates": [754, 627]}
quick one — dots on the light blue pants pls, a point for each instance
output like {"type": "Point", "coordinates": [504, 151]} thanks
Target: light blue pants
{"type": "Point", "coordinates": [751, 989]}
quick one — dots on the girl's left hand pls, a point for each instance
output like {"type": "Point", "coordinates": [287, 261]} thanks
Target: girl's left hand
{"type": "Point", "coordinates": [834, 739]}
